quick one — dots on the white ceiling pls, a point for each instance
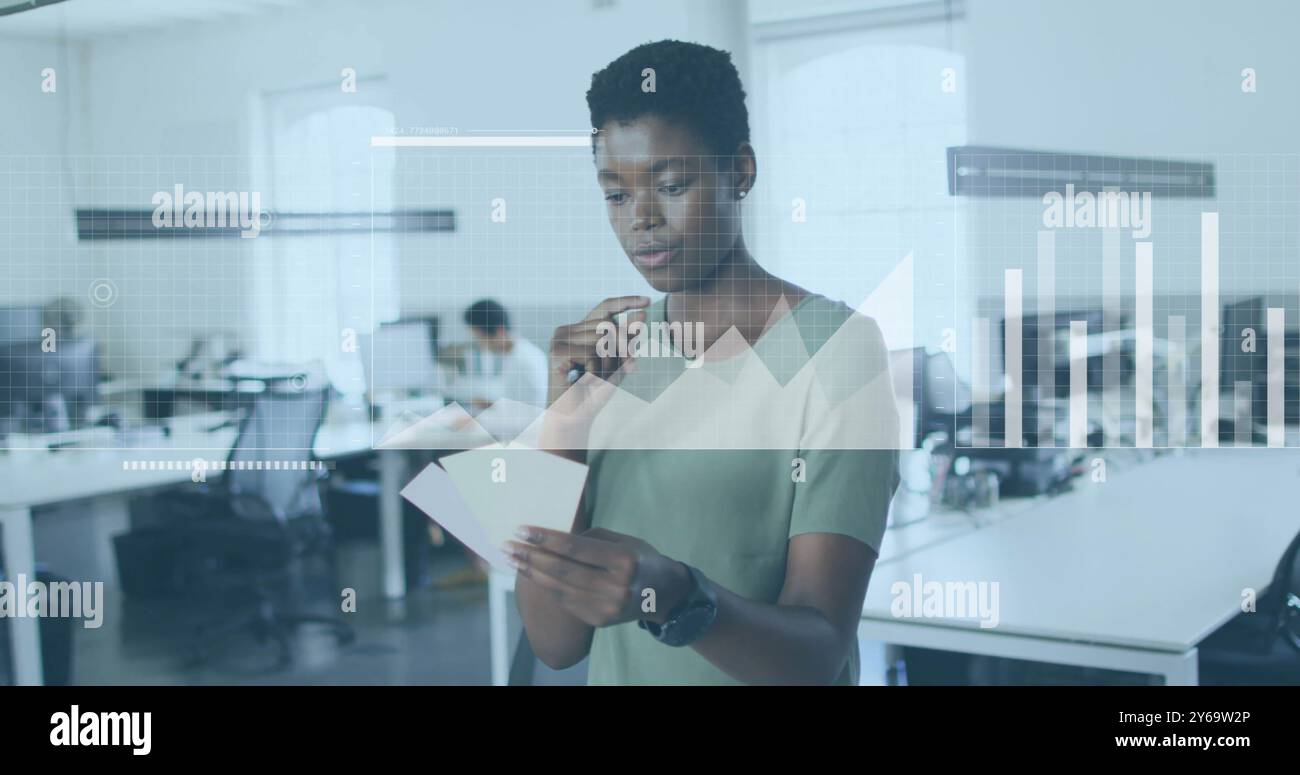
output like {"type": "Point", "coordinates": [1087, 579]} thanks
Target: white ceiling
{"type": "Point", "coordinates": [84, 19]}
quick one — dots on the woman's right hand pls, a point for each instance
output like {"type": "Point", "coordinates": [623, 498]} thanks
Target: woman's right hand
{"type": "Point", "coordinates": [571, 407]}
{"type": "Point", "coordinates": [575, 346]}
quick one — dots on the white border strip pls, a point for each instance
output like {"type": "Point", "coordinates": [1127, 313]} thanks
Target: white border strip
{"type": "Point", "coordinates": [486, 141]}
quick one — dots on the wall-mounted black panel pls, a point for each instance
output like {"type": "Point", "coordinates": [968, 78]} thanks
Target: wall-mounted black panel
{"type": "Point", "coordinates": [1006, 173]}
{"type": "Point", "coordinates": [100, 224]}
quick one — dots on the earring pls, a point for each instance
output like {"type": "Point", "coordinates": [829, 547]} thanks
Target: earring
{"type": "Point", "coordinates": [741, 194]}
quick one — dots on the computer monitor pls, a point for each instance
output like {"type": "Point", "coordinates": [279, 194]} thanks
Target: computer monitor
{"type": "Point", "coordinates": [33, 381]}
{"type": "Point", "coordinates": [1240, 365]}
{"type": "Point", "coordinates": [20, 324]}
{"type": "Point", "coordinates": [938, 394]}
{"type": "Point", "coordinates": [399, 357]}
{"type": "Point", "coordinates": [1235, 363]}
{"type": "Point", "coordinates": [1034, 328]}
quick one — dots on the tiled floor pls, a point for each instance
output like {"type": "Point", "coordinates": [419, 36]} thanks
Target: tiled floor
{"type": "Point", "coordinates": [434, 636]}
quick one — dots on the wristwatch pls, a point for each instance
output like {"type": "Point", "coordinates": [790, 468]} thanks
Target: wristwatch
{"type": "Point", "coordinates": [690, 618]}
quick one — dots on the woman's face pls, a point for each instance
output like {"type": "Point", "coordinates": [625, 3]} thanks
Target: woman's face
{"type": "Point", "coordinates": [674, 207]}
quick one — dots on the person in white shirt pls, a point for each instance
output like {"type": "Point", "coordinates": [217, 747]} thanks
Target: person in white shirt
{"type": "Point", "coordinates": [517, 368]}
{"type": "Point", "coordinates": [502, 366]}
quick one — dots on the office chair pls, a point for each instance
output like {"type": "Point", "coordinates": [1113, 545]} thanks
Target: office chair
{"type": "Point", "coordinates": [1261, 647]}
{"type": "Point", "coordinates": [249, 531]}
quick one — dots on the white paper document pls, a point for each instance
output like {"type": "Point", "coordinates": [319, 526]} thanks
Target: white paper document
{"type": "Point", "coordinates": [484, 494]}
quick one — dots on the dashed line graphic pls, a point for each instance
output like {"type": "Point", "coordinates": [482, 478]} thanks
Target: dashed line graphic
{"type": "Point", "coordinates": [224, 465]}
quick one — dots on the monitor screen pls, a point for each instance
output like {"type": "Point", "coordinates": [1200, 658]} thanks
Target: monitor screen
{"type": "Point", "coordinates": [1239, 362]}
{"type": "Point", "coordinates": [19, 325]}
{"type": "Point", "coordinates": [399, 357]}
{"type": "Point", "coordinates": [1044, 335]}
{"type": "Point", "coordinates": [37, 386]}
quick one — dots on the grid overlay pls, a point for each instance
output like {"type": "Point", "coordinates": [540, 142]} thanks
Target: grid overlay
{"type": "Point", "coordinates": [539, 214]}
{"type": "Point", "coordinates": [553, 249]}
{"type": "Point", "coordinates": [1166, 289]}
{"type": "Point", "coordinates": [139, 302]}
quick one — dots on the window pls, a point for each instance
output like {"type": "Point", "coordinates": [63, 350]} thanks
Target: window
{"type": "Point", "coordinates": [309, 291]}
{"type": "Point", "coordinates": [851, 127]}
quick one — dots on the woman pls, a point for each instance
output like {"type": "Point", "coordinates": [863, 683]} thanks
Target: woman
{"type": "Point", "coordinates": [700, 566]}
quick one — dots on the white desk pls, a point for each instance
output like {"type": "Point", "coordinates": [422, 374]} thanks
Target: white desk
{"type": "Point", "coordinates": [944, 524]}
{"type": "Point", "coordinates": [1130, 574]}
{"type": "Point", "coordinates": [30, 479]}
{"type": "Point", "coordinates": [939, 526]}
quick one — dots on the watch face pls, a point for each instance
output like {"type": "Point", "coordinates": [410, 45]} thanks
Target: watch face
{"type": "Point", "coordinates": [692, 622]}
{"type": "Point", "coordinates": [690, 618]}
{"type": "Point", "coordinates": [697, 617]}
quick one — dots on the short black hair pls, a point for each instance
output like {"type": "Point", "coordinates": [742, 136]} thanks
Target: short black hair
{"type": "Point", "coordinates": [487, 315]}
{"type": "Point", "coordinates": [695, 84]}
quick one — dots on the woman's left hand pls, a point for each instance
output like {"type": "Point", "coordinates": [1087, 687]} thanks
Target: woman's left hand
{"type": "Point", "coordinates": [600, 576]}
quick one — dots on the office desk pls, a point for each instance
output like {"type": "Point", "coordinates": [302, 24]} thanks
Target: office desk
{"type": "Point", "coordinates": [237, 385]}
{"type": "Point", "coordinates": [1130, 574]}
{"type": "Point", "coordinates": [939, 526]}
{"type": "Point", "coordinates": [31, 479]}
{"type": "Point", "coordinates": [944, 524]}
{"type": "Point", "coordinates": [158, 395]}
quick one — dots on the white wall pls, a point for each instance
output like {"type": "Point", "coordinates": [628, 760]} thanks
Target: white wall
{"type": "Point", "coordinates": [178, 107]}
{"type": "Point", "coordinates": [1152, 78]}
{"type": "Point", "coordinates": [1160, 78]}
{"type": "Point", "coordinates": [37, 128]}
{"type": "Point", "coordinates": [1146, 78]}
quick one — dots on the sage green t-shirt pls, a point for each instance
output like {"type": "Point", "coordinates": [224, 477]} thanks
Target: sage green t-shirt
{"type": "Point", "coordinates": [731, 512]}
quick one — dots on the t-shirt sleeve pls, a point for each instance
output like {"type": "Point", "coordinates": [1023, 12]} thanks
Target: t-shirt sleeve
{"type": "Point", "coordinates": [845, 491]}
{"type": "Point", "coordinates": [850, 438]}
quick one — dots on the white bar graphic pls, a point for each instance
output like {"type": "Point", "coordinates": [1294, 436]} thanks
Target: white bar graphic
{"type": "Point", "coordinates": [1242, 417]}
{"type": "Point", "coordinates": [1276, 376]}
{"type": "Point", "coordinates": [1013, 433]}
{"type": "Point", "coordinates": [979, 369]}
{"type": "Point", "coordinates": [1111, 408]}
{"type": "Point", "coordinates": [1046, 340]}
{"type": "Point", "coordinates": [1144, 291]}
{"type": "Point", "coordinates": [1209, 329]}
{"type": "Point", "coordinates": [1078, 383]}
{"type": "Point", "coordinates": [484, 141]}
{"type": "Point", "coordinates": [1177, 361]}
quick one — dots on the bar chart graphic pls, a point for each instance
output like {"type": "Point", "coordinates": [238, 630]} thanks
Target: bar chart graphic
{"type": "Point", "coordinates": [1176, 328]}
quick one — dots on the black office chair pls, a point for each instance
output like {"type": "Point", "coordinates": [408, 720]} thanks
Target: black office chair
{"type": "Point", "coordinates": [248, 533]}
{"type": "Point", "coordinates": [1261, 647]}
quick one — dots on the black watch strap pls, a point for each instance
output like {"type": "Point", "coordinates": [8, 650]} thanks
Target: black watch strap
{"type": "Point", "coordinates": [690, 618]}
